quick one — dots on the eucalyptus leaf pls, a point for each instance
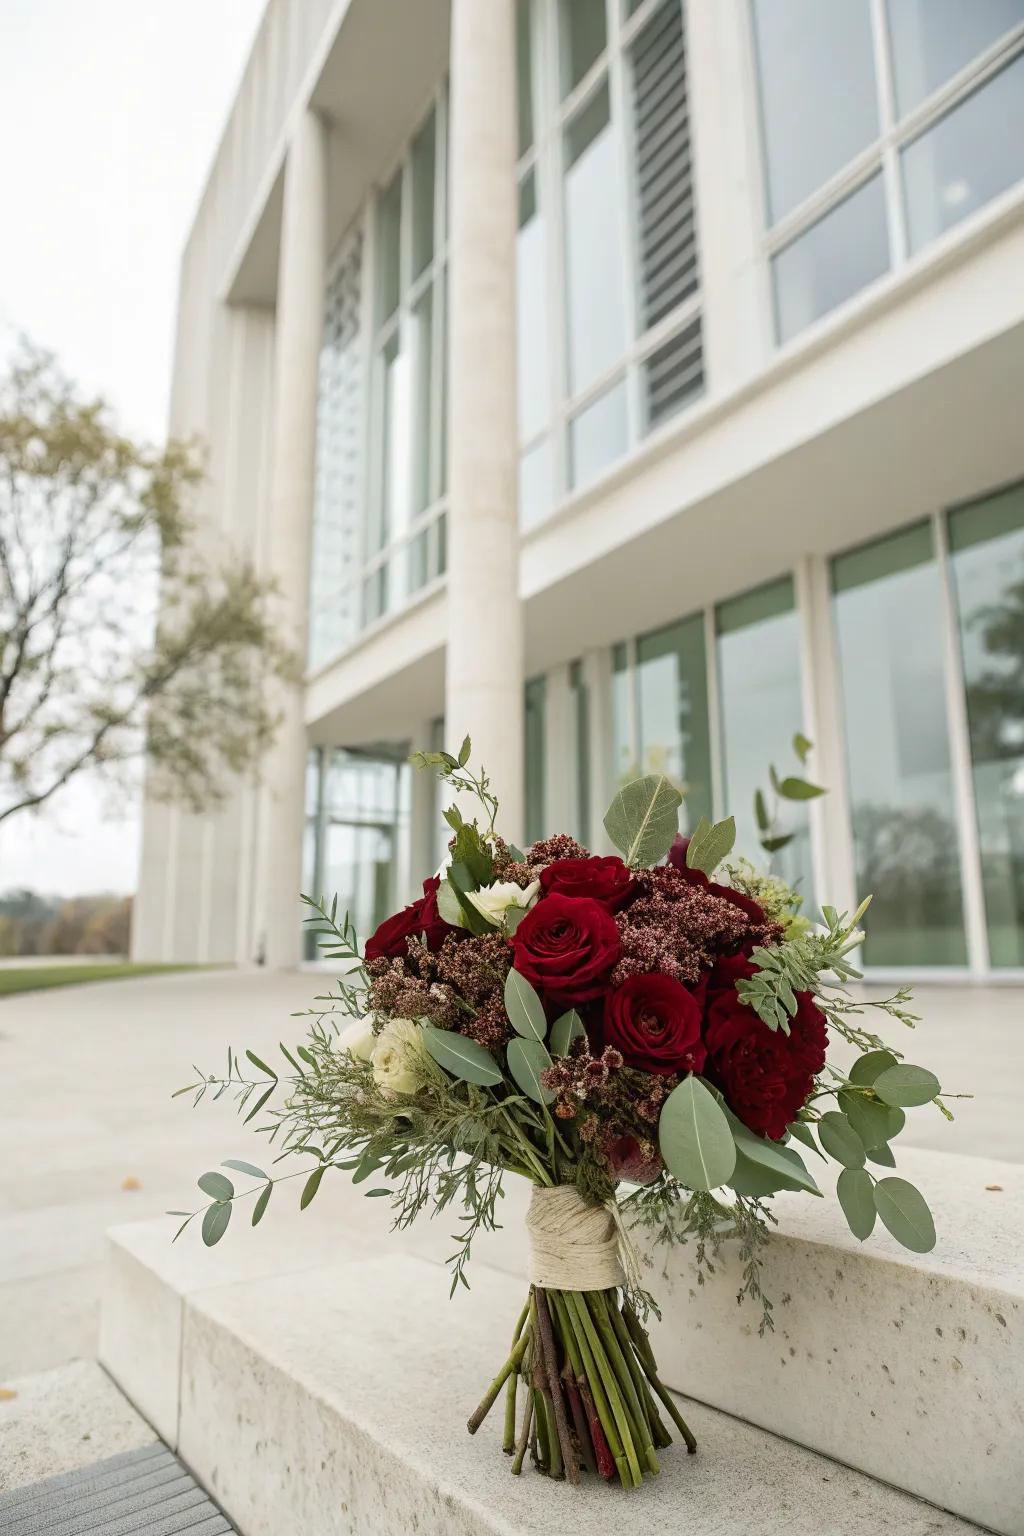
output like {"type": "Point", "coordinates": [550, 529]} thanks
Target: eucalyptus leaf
{"type": "Point", "coordinates": [242, 1167]}
{"type": "Point", "coordinates": [798, 789]}
{"type": "Point", "coordinates": [464, 752]}
{"type": "Point", "coordinates": [524, 1008]}
{"type": "Point", "coordinates": [874, 1122]}
{"type": "Point", "coordinates": [311, 1186]}
{"type": "Point", "coordinates": [773, 844]}
{"type": "Point", "coordinates": [216, 1186]}
{"type": "Point", "coordinates": [882, 1156]}
{"type": "Point", "coordinates": [785, 1165]}
{"type": "Point", "coordinates": [461, 1057]}
{"type": "Point", "coordinates": [906, 1085]}
{"type": "Point", "coordinates": [449, 907]}
{"type": "Point", "coordinates": [215, 1222]}
{"type": "Point", "coordinates": [643, 820]}
{"type": "Point", "coordinates": [802, 1132]}
{"type": "Point", "coordinates": [513, 917]}
{"type": "Point", "coordinates": [708, 848]}
{"type": "Point", "coordinates": [527, 1059]}
{"type": "Point", "coordinates": [755, 1179]}
{"type": "Point", "coordinates": [801, 746]}
{"type": "Point", "coordinates": [262, 1201]}
{"type": "Point", "coordinates": [904, 1211]}
{"type": "Point", "coordinates": [857, 1198]}
{"type": "Point", "coordinates": [870, 1066]}
{"type": "Point", "coordinates": [840, 1140]}
{"type": "Point", "coordinates": [695, 1137]}
{"type": "Point", "coordinates": [566, 1028]}
{"type": "Point", "coordinates": [761, 812]}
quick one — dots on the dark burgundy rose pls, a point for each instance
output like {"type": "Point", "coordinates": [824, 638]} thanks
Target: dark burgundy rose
{"type": "Point", "coordinates": [435, 929]}
{"type": "Point", "coordinates": [420, 919]}
{"type": "Point", "coordinates": [627, 1160]}
{"type": "Point", "coordinates": [746, 904]}
{"type": "Point", "coordinates": [606, 880]}
{"type": "Point", "coordinates": [655, 1022]}
{"type": "Point", "coordinates": [765, 1075]}
{"type": "Point", "coordinates": [565, 946]}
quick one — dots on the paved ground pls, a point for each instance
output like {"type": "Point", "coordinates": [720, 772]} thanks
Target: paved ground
{"type": "Point", "coordinates": [89, 1135]}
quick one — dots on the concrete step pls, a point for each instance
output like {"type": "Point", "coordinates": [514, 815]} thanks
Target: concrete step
{"type": "Point", "coordinates": [909, 1368]}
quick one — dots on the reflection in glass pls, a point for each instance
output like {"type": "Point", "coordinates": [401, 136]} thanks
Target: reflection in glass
{"type": "Point", "coordinates": [531, 312]}
{"type": "Point", "coordinates": [535, 746]}
{"type": "Point", "coordinates": [388, 248]}
{"type": "Point", "coordinates": [535, 484]}
{"type": "Point", "coordinates": [971, 155]}
{"type": "Point", "coordinates": [423, 160]}
{"type": "Point", "coordinates": [886, 606]}
{"type": "Point", "coordinates": [599, 435]}
{"type": "Point", "coordinates": [422, 403]}
{"type": "Point", "coordinates": [524, 75]}
{"type": "Point", "coordinates": [624, 760]}
{"type": "Point", "coordinates": [365, 808]}
{"type": "Point", "coordinates": [581, 39]}
{"type": "Point", "coordinates": [986, 544]}
{"type": "Point", "coordinates": [819, 105]}
{"type": "Point", "coordinates": [761, 706]}
{"type": "Point", "coordinates": [832, 260]}
{"type": "Point", "coordinates": [392, 513]}
{"type": "Point", "coordinates": [672, 712]}
{"type": "Point", "coordinates": [934, 39]}
{"type": "Point", "coordinates": [595, 295]}
{"type": "Point", "coordinates": [579, 825]}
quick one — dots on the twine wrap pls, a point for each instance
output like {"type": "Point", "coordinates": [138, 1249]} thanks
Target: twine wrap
{"type": "Point", "coordinates": [573, 1246]}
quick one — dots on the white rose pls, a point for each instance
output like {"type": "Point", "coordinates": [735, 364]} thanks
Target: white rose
{"type": "Point", "coordinates": [358, 1039]}
{"type": "Point", "coordinates": [399, 1060]}
{"type": "Point", "coordinates": [495, 900]}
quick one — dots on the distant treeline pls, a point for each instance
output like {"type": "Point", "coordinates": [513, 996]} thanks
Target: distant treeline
{"type": "Point", "coordinates": [31, 924]}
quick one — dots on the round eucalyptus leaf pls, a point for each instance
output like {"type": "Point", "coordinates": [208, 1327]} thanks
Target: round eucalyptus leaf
{"type": "Point", "coordinates": [840, 1140]}
{"type": "Point", "coordinates": [262, 1201]}
{"type": "Point", "coordinates": [216, 1186]}
{"type": "Point", "coordinates": [215, 1223]}
{"type": "Point", "coordinates": [904, 1211]}
{"type": "Point", "coordinates": [873, 1121]}
{"type": "Point", "coordinates": [524, 1008]}
{"type": "Point", "coordinates": [906, 1085]}
{"type": "Point", "coordinates": [867, 1067]}
{"type": "Point", "coordinates": [784, 1165]}
{"type": "Point", "coordinates": [857, 1198]}
{"type": "Point", "coordinates": [695, 1138]}
{"type": "Point", "coordinates": [643, 819]}
{"type": "Point", "coordinates": [240, 1166]}
{"type": "Point", "coordinates": [527, 1059]}
{"type": "Point", "coordinates": [754, 1179]}
{"type": "Point", "coordinates": [882, 1156]}
{"type": "Point", "coordinates": [802, 1132]}
{"type": "Point", "coordinates": [566, 1028]}
{"type": "Point", "coordinates": [461, 1057]}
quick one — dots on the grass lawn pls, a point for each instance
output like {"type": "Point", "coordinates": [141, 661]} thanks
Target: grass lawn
{"type": "Point", "coordinates": [33, 978]}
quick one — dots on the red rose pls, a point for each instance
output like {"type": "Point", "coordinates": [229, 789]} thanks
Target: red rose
{"type": "Point", "coordinates": [766, 1075]}
{"type": "Point", "coordinates": [435, 929]}
{"type": "Point", "coordinates": [565, 946]}
{"type": "Point", "coordinates": [420, 918]}
{"type": "Point", "coordinates": [606, 880]}
{"type": "Point", "coordinates": [746, 904]}
{"type": "Point", "coordinates": [655, 1022]}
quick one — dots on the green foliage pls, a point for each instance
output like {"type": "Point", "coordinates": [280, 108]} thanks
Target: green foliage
{"type": "Point", "coordinates": [904, 1211]}
{"type": "Point", "coordinates": [906, 1085]}
{"type": "Point", "coordinates": [463, 1058]}
{"type": "Point", "coordinates": [709, 844]}
{"type": "Point", "coordinates": [524, 1008]}
{"type": "Point", "coordinates": [857, 1197]}
{"type": "Point", "coordinates": [764, 1167]}
{"type": "Point", "coordinates": [455, 772]}
{"type": "Point", "coordinates": [840, 1140]}
{"type": "Point", "coordinates": [566, 1028]}
{"type": "Point", "coordinates": [643, 820]}
{"type": "Point", "coordinates": [788, 787]}
{"type": "Point", "coordinates": [874, 1122]}
{"type": "Point", "coordinates": [695, 1138]}
{"type": "Point", "coordinates": [527, 1059]}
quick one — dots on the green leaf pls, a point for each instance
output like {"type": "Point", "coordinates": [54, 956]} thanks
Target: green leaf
{"type": "Point", "coordinates": [464, 751]}
{"type": "Point", "coordinates": [840, 1140]}
{"type": "Point", "coordinates": [215, 1222]}
{"type": "Point", "coordinates": [708, 848]}
{"type": "Point", "coordinates": [643, 820]}
{"type": "Point", "coordinates": [904, 1211]}
{"type": "Point", "coordinates": [761, 812]}
{"type": "Point", "coordinates": [216, 1186]}
{"type": "Point", "coordinates": [566, 1028]}
{"type": "Point", "coordinates": [799, 789]}
{"type": "Point", "coordinates": [261, 1064]}
{"type": "Point", "coordinates": [449, 906]}
{"type": "Point", "coordinates": [874, 1123]}
{"type": "Point", "coordinates": [311, 1186]}
{"type": "Point", "coordinates": [801, 746]}
{"type": "Point", "coordinates": [782, 1165]}
{"type": "Point", "coordinates": [867, 1067]}
{"type": "Point", "coordinates": [527, 1059]}
{"type": "Point", "coordinates": [264, 1096]}
{"type": "Point", "coordinates": [513, 917]}
{"type": "Point", "coordinates": [882, 1156]}
{"type": "Point", "coordinates": [459, 877]}
{"type": "Point", "coordinates": [241, 1167]}
{"type": "Point", "coordinates": [461, 1057]}
{"type": "Point", "coordinates": [524, 1008]}
{"type": "Point", "coordinates": [802, 1132]}
{"type": "Point", "coordinates": [857, 1198]}
{"type": "Point", "coordinates": [365, 1165]}
{"type": "Point", "coordinates": [262, 1201]}
{"type": "Point", "coordinates": [773, 844]}
{"type": "Point", "coordinates": [906, 1085]}
{"type": "Point", "coordinates": [695, 1137]}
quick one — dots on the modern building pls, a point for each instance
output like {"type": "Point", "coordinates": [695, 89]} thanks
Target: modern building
{"type": "Point", "coordinates": [633, 383]}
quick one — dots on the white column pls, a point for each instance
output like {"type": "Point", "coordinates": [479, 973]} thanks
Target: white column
{"type": "Point", "coordinates": [300, 298]}
{"type": "Point", "coordinates": [484, 686]}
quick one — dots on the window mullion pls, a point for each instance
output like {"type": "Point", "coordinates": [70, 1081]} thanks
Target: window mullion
{"type": "Point", "coordinates": [887, 119]}
{"type": "Point", "coordinates": [622, 138]}
{"type": "Point", "coordinates": [714, 716]}
{"type": "Point", "coordinates": [550, 169]}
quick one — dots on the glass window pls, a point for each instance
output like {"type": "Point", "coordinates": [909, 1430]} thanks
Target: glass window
{"type": "Point", "coordinates": [533, 340]}
{"type": "Point", "coordinates": [934, 39]}
{"type": "Point", "coordinates": [388, 249]}
{"type": "Point", "coordinates": [580, 726]}
{"type": "Point", "coordinates": [886, 606]}
{"type": "Point", "coordinates": [524, 74]}
{"type": "Point", "coordinates": [761, 708]}
{"type": "Point", "coordinates": [624, 762]}
{"type": "Point", "coordinates": [424, 154]}
{"type": "Point", "coordinates": [599, 435]}
{"type": "Point", "coordinates": [536, 491]}
{"type": "Point", "coordinates": [392, 513]}
{"type": "Point", "coordinates": [672, 712]}
{"type": "Point", "coordinates": [593, 245]}
{"type": "Point", "coordinates": [986, 544]}
{"type": "Point", "coordinates": [582, 37]}
{"type": "Point", "coordinates": [365, 802]}
{"type": "Point", "coordinates": [534, 740]}
{"type": "Point", "coordinates": [971, 155]}
{"type": "Point", "coordinates": [422, 403]}
{"type": "Point", "coordinates": [818, 100]}
{"type": "Point", "coordinates": [834, 259]}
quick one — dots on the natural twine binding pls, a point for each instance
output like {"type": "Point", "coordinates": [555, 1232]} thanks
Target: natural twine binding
{"type": "Point", "coordinates": [573, 1246]}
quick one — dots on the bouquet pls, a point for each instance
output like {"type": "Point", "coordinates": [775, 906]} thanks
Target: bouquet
{"type": "Point", "coordinates": [644, 1038]}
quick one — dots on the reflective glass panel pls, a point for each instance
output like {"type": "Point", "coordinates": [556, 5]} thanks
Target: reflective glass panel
{"type": "Point", "coordinates": [987, 559]}
{"type": "Point", "coordinates": [599, 435]}
{"type": "Point", "coordinates": [624, 760]}
{"type": "Point", "coordinates": [524, 74]}
{"type": "Point", "coordinates": [834, 259]}
{"type": "Point", "coordinates": [672, 712]}
{"type": "Point", "coordinates": [934, 39]}
{"type": "Point", "coordinates": [388, 248]}
{"type": "Point", "coordinates": [761, 708]}
{"type": "Point", "coordinates": [887, 605]}
{"type": "Point", "coordinates": [535, 487]}
{"type": "Point", "coordinates": [423, 163]}
{"type": "Point", "coordinates": [595, 294]}
{"type": "Point", "coordinates": [535, 747]}
{"type": "Point", "coordinates": [582, 36]}
{"type": "Point", "coordinates": [531, 313]}
{"type": "Point", "coordinates": [819, 106]}
{"type": "Point", "coordinates": [971, 155]}
{"type": "Point", "coordinates": [580, 727]}
{"type": "Point", "coordinates": [422, 402]}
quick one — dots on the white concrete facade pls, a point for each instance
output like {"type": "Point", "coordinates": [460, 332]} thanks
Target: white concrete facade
{"type": "Point", "coordinates": [788, 446]}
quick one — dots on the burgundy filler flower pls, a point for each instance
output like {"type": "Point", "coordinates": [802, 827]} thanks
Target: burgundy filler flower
{"type": "Point", "coordinates": [746, 904]}
{"type": "Point", "coordinates": [765, 1074]}
{"type": "Point", "coordinates": [420, 917]}
{"type": "Point", "coordinates": [631, 1159]}
{"type": "Point", "coordinates": [565, 946]}
{"type": "Point", "coordinates": [606, 880]}
{"type": "Point", "coordinates": [655, 1022]}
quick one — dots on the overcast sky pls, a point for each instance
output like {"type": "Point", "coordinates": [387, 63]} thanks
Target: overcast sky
{"type": "Point", "coordinates": [110, 112]}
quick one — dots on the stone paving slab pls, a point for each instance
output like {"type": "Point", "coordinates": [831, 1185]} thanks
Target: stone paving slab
{"type": "Point", "coordinates": [56, 1422]}
{"type": "Point", "coordinates": [145, 1492]}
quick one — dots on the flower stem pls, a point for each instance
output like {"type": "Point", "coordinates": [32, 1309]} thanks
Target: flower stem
{"type": "Point", "coordinates": [486, 1403]}
{"type": "Point", "coordinates": [600, 1302]}
{"type": "Point", "coordinates": [576, 1301]}
{"type": "Point", "coordinates": [524, 1435]}
{"type": "Point", "coordinates": [546, 1336]}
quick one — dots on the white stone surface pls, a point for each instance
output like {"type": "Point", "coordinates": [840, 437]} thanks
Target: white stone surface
{"type": "Point", "coordinates": [60, 1420]}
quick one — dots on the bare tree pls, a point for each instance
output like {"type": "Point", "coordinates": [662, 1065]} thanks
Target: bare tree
{"type": "Point", "coordinates": [121, 630]}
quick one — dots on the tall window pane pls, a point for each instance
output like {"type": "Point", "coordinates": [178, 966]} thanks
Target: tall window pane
{"type": "Point", "coordinates": [834, 259]}
{"type": "Point", "coordinates": [598, 436]}
{"type": "Point", "coordinates": [533, 340]}
{"type": "Point", "coordinates": [535, 749]}
{"type": "Point", "coordinates": [969, 157]}
{"type": "Point", "coordinates": [582, 36]}
{"type": "Point", "coordinates": [933, 39]}
{"type": "Point", "coordinates": [536, 492]}
{"type": "Point", "coordinates": [524, 74]}
{"type": "Point", "coordinates": [886, 604]}
{"type": "Point", "coordinates": [987, 558]}
{"type": "Point", "coordinates": [423, 168]}
{"type": "Point", "coordinates": [672, 712]}
{"type": "Point", "coordinates": [580, 727]}
{"type": "Point", "coordinates": [422, 402]}
{"type": "Point", "coordinates": [818, 99]}
{"type": "Point", "coordinates": [593, 245]}
{"type": "Point", "coordinates": [624, 760]}
{"type": "Point", "coordinates": [761, 710]}
{"type": "Point", "coordinates": [388, 248]}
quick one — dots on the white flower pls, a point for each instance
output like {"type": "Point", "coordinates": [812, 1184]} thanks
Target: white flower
{"type": "Point", "coordinates": [358, 1039]}
{"type": "Point", "coordinates": [493, 901]}
{"type": "Point", "coordinates": [400, 1061]}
